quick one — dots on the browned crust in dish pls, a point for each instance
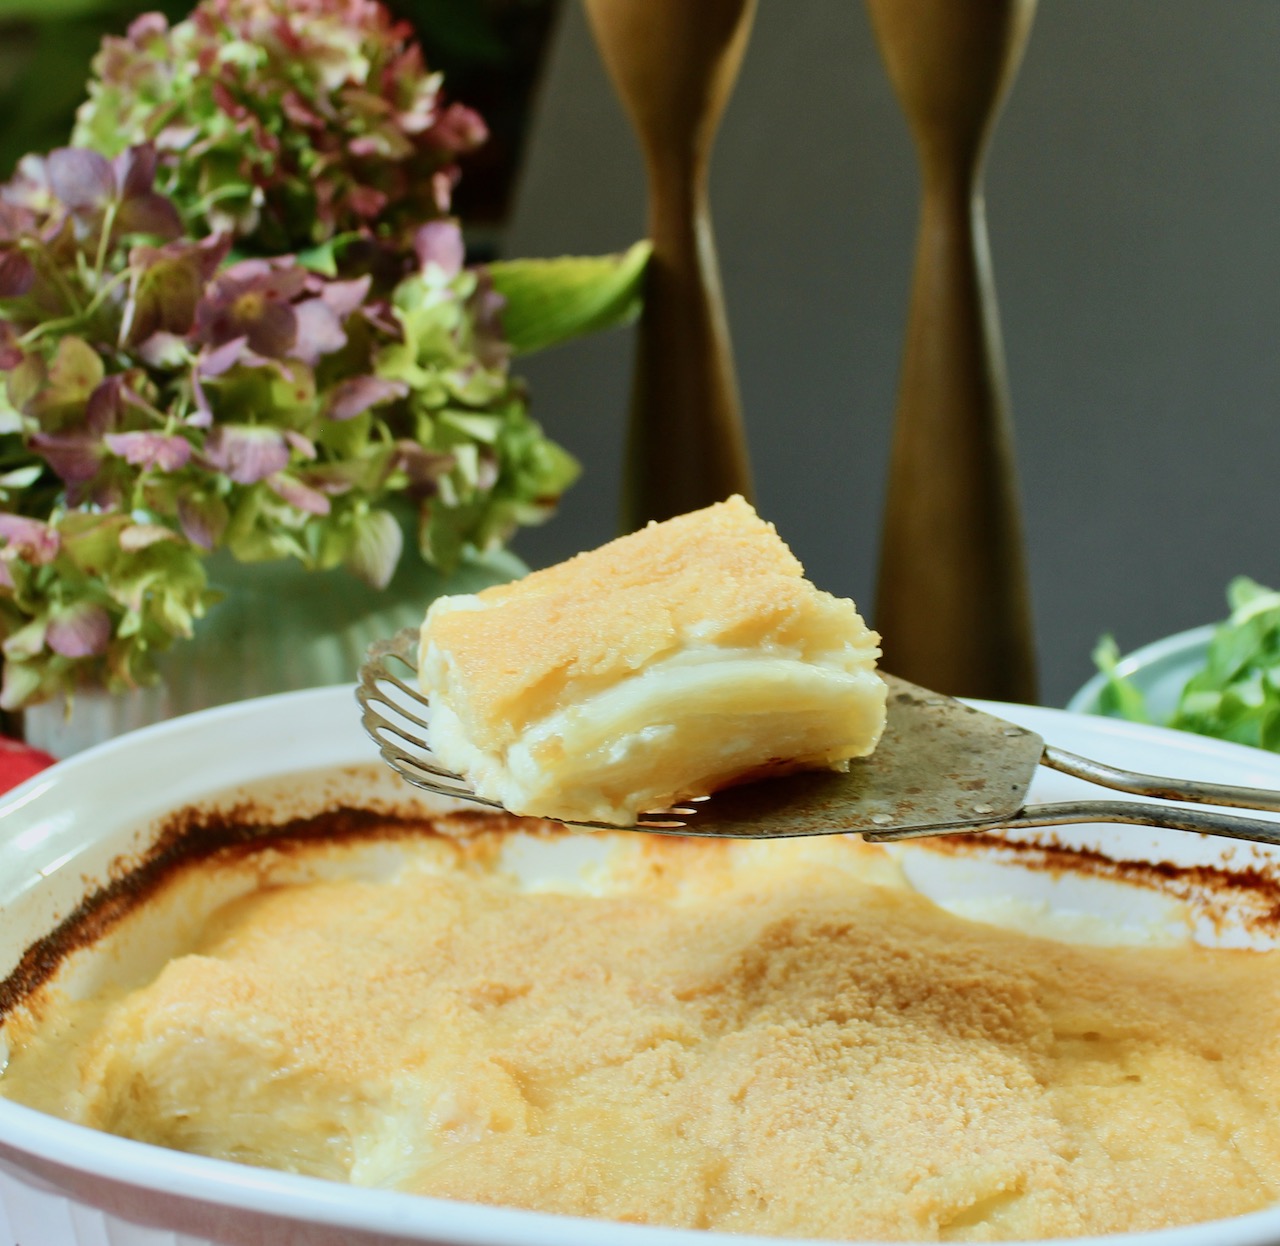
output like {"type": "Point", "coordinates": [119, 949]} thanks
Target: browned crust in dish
{"type": "Point", "coordinates": [776, 1038]}
{"type": "Point", "coordinates": [194, 836]}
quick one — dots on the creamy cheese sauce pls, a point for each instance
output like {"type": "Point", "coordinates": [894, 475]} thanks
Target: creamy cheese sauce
{"type": "Point", "coordinates": [776, 1038]}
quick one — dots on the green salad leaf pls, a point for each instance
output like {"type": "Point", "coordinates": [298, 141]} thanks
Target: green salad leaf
{"type": "Point", "coordinates": [1236, 694]}
{"type": "Point", "coordinates": [1119, 698]}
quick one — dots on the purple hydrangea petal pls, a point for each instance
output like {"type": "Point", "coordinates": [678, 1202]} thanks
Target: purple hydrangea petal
{"type": "Point", "coordinates": [79, 631]}
{"type": "Point", "coordinates": [303, 445]}
{"type": "Point", "coordinates": [212, 251]}
{"type": "Point", "coordinates": [247, 454]}
{"type": "Point", "coordinates": [162, 451]}
{"type": "Point", "coordinates": [440, 243]}
{"type": "Point", "coordinates": [28, 188]}
{"type": "Point", "coordinates": [37, 543]}
{"type": "Point", "coordinates": [74, 456]}
{"type": "Point", "coordinates": [11, 354]}
{"type": "Point", "coordinates": [319, 331]}
{"type": "Point", "coordinates": [177, 137]}
{"type": "Point", "coordinates": [143, 29]}
{"type": "Point", "coordinates": [333, 479]}
{"type": "Point", "coordinates": [266, 326]}
{"type": "Point", "coordinates": [346, 297]}
{"type": "Point", "coordinates": [203, 519]}
{"type": "Point", "coordinates": [298, 495]}
{"type": "Point", "coordinates": [222, 358]}
{"type": "Point", "coordinates": [253, 299]}
{"type": "Point", "coordinates": [423, 467]}
{"type": "Point", "coordinates": [164, 292]}
{"type": "Point", "coordinates": [357, 394]}
{"type": "Point", "coordinates": [280, 278]}
{"type": "Point", "coordinates": [202, 416]}
{"type": "Point", "coordinates": [17, 274]}
{"type": "Point", "coordinates": [81, 178]}
{"type": "Point", "coordinates": [101, 493]}
{"type": "Point", "coordinates": [135, 170]}
{"type": "Point", "coordinates": [275, 330]}
{"type": "Point", "coordinates": [149, 214]}
{"type": "Point", "coordinates": [102, 410]}
{"type": "Point", "coordinates": [459, 128]}
{"type": "Point", "coordinates": [366, 201]}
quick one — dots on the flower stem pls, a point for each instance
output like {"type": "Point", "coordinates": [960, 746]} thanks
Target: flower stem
{"type": "Point", "coordinates": [104, 240]}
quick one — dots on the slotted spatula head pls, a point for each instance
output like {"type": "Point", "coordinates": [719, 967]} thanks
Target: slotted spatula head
{"type": "Point", "coordinates": [939, 763]}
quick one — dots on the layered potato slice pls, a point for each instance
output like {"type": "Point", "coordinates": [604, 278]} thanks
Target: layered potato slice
{"type": "Point", "coordinates": [667, 664]}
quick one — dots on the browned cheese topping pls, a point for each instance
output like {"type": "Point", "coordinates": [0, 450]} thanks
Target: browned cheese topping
{"type": "Point", "coordinates": [778, 1038]}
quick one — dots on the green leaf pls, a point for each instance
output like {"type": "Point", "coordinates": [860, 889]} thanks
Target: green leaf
{"type": "Point", "coordinates": [23, 683]}
{"type": "Point", "coordinates": [1119, 698]}
{"type": "Point", "coordinates": [553, 301]}
{"type": "Point", "coordinates": [323, 257]}
{"type": "Point", "coordinates": [484, 428]}
{"type": "Point", "coordinates": [26, 642]}
{"type": "Point", "coordinates": [21, 477]}
{"type": "Point", "coordinates": [1236, 694]}
{"type": "Point", "coordinates": [74, 372]}
{"type": "Point", "coordinates": [376, 547]}
{"type": "Point", "coordinates": [1247, 597]}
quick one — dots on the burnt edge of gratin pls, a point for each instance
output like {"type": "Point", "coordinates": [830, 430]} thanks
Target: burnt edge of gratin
{"type": "Point", "coordinates": [1247, 894]}
{"type": "Point", "coordinates": [195, 835]}
{"type": "Point", "coordinates": [1244, 893]}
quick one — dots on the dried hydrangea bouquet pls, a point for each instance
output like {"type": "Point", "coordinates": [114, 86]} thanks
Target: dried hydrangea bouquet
{"type": "Point", "coordinates": [236, 321]}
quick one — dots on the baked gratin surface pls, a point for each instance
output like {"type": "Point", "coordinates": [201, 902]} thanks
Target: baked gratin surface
{"type": "Point", "coordinates": [776, 1038]}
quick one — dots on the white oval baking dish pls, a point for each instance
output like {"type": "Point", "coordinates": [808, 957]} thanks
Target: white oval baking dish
{"type": "Point", "coordinates": [63, 1185]}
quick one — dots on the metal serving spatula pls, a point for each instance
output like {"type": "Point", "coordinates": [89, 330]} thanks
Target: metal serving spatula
{"type": "Point", "coordinates": [941, 767]}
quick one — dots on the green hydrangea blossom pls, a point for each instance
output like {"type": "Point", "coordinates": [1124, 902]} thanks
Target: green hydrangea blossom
{"type": "Point", "coordinates": [158, 401]}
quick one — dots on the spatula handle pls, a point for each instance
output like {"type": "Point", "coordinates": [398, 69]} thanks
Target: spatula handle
{"type": "Point", "coordinates": [1147, 812]}
{"type": "Point", "coordinates": [1128, 812]}
{"type": "Point", "coordinates": [1159, 787]}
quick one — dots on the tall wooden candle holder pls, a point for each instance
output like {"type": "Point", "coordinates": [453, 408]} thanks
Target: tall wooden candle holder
{"type": "Point", "coordinates": [674, 63]}
{"type": "Point", "coordinates": [952, 601]}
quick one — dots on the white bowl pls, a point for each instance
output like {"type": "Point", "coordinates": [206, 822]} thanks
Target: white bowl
{"type": "Point", "coordinates": [64, 1185]}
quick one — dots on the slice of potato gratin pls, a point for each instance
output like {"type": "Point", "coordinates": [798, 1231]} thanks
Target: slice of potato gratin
{"type": "Point", "coordinates": [683, 658]}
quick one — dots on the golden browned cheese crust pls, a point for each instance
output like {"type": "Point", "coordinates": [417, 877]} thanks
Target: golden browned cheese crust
{"type": "Point", "coordinates": [771, 1038]}
{"type": "Point", "coordinates": [722, 571]}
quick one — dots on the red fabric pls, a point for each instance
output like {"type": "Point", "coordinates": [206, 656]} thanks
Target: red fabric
{"type": "Point", "coordinates": [18, 762]}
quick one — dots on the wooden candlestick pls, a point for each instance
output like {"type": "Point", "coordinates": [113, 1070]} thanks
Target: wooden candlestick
{"type": "Point", "coordinates": [952, 599]}
{"type": "Point", "coordinates": [674, 63]}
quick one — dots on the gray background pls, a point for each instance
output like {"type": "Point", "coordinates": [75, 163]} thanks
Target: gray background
{"type": "Point", "coordinates": [1131, 202]}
